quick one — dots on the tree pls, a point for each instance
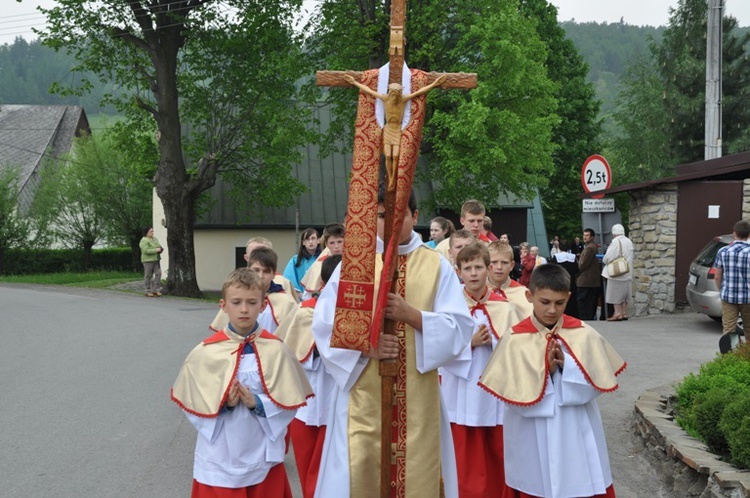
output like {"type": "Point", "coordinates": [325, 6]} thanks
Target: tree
{"type": "Point", "coordinates": [640, 151]}
{"type": "Point", "coordinates": [576, 135]}
{"type": "Point", "coordinates": [14, 228]}
{"type": "Point", "coordinates": [225, 70]}
{"type": "Point", "coordinates": [66, 204]}
{"type": "Point", "coordinates": [116, 167]}
{"type": "Point", "coordinates": [669, 94]}
{"type": "Point", "coordinates": [480, 143]}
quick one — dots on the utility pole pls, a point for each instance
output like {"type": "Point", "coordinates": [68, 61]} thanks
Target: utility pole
{"type": "Point", "coordinates": [714, 38]}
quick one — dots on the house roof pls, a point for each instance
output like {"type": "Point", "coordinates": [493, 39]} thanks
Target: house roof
{"type": "Point", "coordinates": [31, 133]}
{"type": "Point", "coordinates": [733, 167]}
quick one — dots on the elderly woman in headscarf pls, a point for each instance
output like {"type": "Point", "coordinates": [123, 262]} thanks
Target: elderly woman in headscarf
{"type": "Point", "coordinates": [618, 288]}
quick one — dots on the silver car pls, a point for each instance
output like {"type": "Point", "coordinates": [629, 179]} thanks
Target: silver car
{"type": "Point", "coordinates": [702, 293]}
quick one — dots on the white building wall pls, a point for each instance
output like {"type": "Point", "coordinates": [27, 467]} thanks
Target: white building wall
{"type": "Point", "coordinates": [215, 248]}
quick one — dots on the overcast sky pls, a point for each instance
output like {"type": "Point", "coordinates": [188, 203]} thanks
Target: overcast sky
{"type": "Point", "coordinates": [17, 19]}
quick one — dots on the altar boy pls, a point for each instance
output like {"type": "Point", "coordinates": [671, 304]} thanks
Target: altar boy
{"type": "Point", "coordinates": [476, 416]}
{"type": "Point", "coordinates": [549, 370]}
{"type": "Point", "coordinates": [240, 388]}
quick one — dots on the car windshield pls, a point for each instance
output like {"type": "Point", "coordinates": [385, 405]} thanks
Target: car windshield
{"type": "Point", "coordinates": [708, 254]}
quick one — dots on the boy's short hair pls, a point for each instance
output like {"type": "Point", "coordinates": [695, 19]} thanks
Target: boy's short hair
{"type": "Point", "coordinates": [471, 252]}
{"type": "Point", "coordinates": [487, 223]}
{"type": "Point", "coordinates": [472, 206]}
{"type": "Point", "coordinates": [552, 277]}
{"type": "Point", "coordinates": [333, 230]}
{"type": "Point", "coordinates": [460, 234]}
{"type": "Point", "coordinates": [742, 229]}
{"type": "Point", "coordinates": [590, 231]}
{"type": "Point", "coordinates": [260, 241]}
{"type": "Point", "coordinates": [412, 198]}
{"type": "Point", "coordinates": [328, 266]}
{"type": "Point", "coordinates": [265, 256]}
{"type": "Point", "coordinates": [244, 278]}
{"type": "Point", "coordinates": [501, 248]}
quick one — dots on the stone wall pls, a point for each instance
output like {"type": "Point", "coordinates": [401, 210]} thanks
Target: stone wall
{"type": "Point", "coordinates": [653, 230]}
{"type": "Point", "coordinates": [687, 468]}
{"type": "Point", "coordinates": [746, 199]}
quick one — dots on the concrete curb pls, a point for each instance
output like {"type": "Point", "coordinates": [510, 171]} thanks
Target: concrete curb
{"type": "Point", "coordinates": [695, 470]}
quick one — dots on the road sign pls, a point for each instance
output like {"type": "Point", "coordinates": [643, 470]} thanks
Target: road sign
{"type": "Point", "coordinates": [598, 205]}
{"type": "Point", "coordinates": [596, 175]}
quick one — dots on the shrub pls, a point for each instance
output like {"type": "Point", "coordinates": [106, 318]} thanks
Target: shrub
{"type": "Point", "coordinates": [708, 410]}
{"type": "Point", "coordinates": [739, 445]}
{"type": "Point", "coordinates": [714, 404]}
{"type": "Point", "coordinates": [733, 415]}
{"type": "Point", "coordinates": [36, 261]}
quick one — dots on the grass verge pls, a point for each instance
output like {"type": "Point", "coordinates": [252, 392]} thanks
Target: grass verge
{"type": "Point", "coordinates": [97, 280]}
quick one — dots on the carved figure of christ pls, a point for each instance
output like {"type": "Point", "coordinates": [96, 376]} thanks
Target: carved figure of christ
{"type": "Point", "coordinates": [394, 102]}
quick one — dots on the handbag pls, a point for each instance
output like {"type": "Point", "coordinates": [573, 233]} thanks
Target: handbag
{"type": "Point", "coordinates": [618, 266]}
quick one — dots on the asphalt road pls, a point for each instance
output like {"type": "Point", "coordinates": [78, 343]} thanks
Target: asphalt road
{"type": "Point", "coordinates": [85, 407]}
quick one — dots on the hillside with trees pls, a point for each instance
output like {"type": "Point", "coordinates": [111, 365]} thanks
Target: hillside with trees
{"type": "Point", "coordinates": [29, 71]}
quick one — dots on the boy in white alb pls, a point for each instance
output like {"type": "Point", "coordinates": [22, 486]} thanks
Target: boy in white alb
{"type": "Point", "coordinates": [308, 429]}
{"type": "Point", "coordinates": [549, 370]}
{"type": "Point", "coordinates": [240, 388]}
{"type": "Point", "coordinates": [501, 266]}
{"type": "Point", "coordinates": [476, 416]}
{"type": "Point", "coordinates": [278, 303]}
{"type": "Point", "coordinates": [285, 283]}
{"type": "Point", "coordinates": [333, 244]}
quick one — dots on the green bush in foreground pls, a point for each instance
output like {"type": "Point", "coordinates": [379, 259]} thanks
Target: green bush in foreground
{"type": "Point", "coordinates": [715, 405]}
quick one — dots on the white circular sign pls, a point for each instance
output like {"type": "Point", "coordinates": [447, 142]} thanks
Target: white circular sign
{"type": "Point", "coordinates": [596, 174]}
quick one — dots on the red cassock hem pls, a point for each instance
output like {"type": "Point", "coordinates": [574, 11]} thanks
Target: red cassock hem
{"type": "Point", "coordinates": [514, 493]}
{"type": "Point", "coordinates": [479, 460]}
{"type": "Point", "coordinates": [275, 484]}
{"type": "Point", "coordinates": [308, 450]}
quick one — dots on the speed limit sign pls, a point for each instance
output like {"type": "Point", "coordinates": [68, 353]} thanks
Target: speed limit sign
{"type": "Point", "coordinates": [596, 175]}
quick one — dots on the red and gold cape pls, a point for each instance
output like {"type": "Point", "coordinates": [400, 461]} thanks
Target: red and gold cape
{"type": "Point", "coordinates": [517, 371]}
{"type": "Point", "coordinates": [203, 383]}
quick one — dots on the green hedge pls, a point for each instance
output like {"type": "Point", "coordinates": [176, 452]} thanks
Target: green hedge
{"type": "Point", "coordinates": [714, 405]}
{"type": "Point", "coordinates": [35, 261]}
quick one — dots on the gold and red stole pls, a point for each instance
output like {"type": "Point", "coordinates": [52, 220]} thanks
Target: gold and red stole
{"type": "Point", "coordinates": [203, 383]}
{"type": "Point", "coordinates": [517, 371]}
{"type": "Point", "coordinates": [296, 332]}
{"type": "Point", "coordinates": [416, 436]}
{"type": "Point", "coordinates": [358, 318]}
{"type": "Point", "coordinates": [498, 310]}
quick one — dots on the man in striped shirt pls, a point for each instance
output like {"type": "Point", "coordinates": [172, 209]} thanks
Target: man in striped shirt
{"type": "Point", "coordinates": [733, 279]}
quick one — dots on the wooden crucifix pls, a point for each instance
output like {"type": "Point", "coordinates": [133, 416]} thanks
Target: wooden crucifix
{"type": "Point", "coordinates": [355, 327]}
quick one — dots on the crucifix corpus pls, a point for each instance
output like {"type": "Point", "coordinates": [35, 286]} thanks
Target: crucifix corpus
{"type": "Point", "coordinates": [390, 116]}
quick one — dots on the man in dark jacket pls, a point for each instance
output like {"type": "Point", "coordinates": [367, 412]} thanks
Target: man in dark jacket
{"type": "Point", "coordinates": [588, 280]}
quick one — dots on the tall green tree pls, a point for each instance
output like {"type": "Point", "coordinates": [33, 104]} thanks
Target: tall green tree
{"type": "Point", "coordinates": [14, 228]}
{"type": "Point", "coordinates": [640, 150]}
{"type": "Point", "coordinates": [576, 135]}
{"type": "Point", "coordinates": [114, 165]}
{"type": "Point", "coordinates": [65, 202]}
{"type": "Point", "coordinates": [493, 139]}
{"type": "Point", "coordinates": [225, 70]}
{"type": "Point", "coordinates": [678, 69]}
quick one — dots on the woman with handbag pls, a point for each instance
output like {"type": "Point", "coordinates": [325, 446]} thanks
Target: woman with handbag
{"type": "Point", "coordinates": [618, 270]}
